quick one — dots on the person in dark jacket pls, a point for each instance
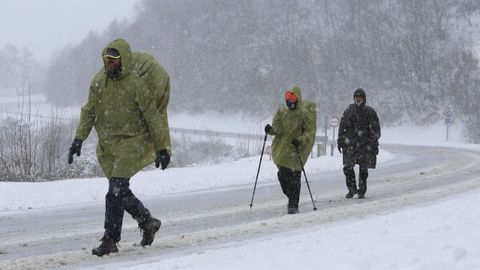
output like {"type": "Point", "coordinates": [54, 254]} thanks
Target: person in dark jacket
{"type": "Point", "coordinates": [358, 141]}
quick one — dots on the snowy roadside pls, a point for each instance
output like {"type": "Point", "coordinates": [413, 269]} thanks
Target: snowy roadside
{"type": "Point", "coordinates": [65, 193]}
{"type": "Point", "coordinates": [439, 235]}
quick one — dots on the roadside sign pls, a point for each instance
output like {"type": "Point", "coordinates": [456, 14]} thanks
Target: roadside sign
{"type": "Point", "coordinates": [334, 121]}
{"type": "Point", "coordinates": [448, 117]}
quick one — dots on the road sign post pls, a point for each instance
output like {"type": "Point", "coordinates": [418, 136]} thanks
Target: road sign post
{"type": "Point", "coordinates": [325, 141]}
{"type": "Point", "coordinates": [448, 120]}
{"type": "Point", "coordinates": [334, 121]}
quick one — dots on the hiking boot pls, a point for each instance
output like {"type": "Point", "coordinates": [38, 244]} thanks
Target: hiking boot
{"type": "Point", "coordinates": [351, 193]}
{"type": "Point", "coordinates": [149, 227]}
{"type": "Point", "coordinates": [106, 247]}
{"type": "Point", "coordinates": [361, 196]}
{"type": "Point", "coordinates": [292, 210]}
{"type": "Point", "coordinates": [292, 206]}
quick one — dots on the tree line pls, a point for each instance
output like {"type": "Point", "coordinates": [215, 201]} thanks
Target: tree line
{"type": "Point", "coordinates": [414, 57]}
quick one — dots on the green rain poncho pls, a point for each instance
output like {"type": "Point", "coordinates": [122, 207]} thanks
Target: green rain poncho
{"type": "Point", "coordinates": [129, 114]}
{"type": "Point", "coordinates": [289, 124]}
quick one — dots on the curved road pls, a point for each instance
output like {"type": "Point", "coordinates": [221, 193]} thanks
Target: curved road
{"type": "Point", "coordinates": [63, 238]}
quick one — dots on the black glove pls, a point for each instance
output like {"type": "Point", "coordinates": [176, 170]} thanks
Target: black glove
{"type": "Point", "coordinates": [75, 148]}
{"type": "Point", "coordinates": [296, 142]}
{"type": "Point", "coordinates": [339, 148]}
{"type": "Point", "coordinates": [375, 149]}
{"type": "Point", "coordinates": [162, 157]}
{"type": "Point", "coordinates": [268, 128]}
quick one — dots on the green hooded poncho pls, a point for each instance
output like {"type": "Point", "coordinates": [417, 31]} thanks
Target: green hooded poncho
{"type": "Point", "coordinates": [289, 124]}
{"type": "Point", "coordinates": [129, 113]}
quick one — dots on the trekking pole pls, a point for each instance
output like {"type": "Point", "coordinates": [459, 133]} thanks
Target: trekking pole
{"type": "Point", "coordinates": [258, 171]}
{"type": "Point", "coordinates": [306, 180]}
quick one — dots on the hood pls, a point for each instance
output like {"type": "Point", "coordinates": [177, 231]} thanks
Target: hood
{"type": "Point", "coordinates": [298, 93]}
{"type": "Point", "coordinates": [125, 51]}
{"type": "Point", "coordinates": [360, 92]}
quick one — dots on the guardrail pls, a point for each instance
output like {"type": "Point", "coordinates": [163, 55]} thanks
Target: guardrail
{"type": "Point", "coordinates": [320, 141]}
{"type": "Point", "coordinates": [234, 135]}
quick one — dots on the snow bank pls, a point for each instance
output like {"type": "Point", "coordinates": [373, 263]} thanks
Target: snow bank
{"type": "Point", "coordinates": [18, 196]}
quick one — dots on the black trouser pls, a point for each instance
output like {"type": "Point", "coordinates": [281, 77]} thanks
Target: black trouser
{"type": "Point", "coordinates": [119, 199]}
{"type": "Point", "coordinates": [362, 179]}
{"type": "Point", "coordinates": [290, 182]}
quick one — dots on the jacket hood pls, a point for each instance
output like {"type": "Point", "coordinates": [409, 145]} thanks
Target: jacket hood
{"type": "Point", "coordinates": [298, 93]}
{"type": "Point", "coordinates": [360, 92]}
{"type": "Point", "coordinates": [125, 51]}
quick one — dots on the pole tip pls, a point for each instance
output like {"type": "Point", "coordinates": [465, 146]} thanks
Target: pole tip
{"type": "Point", "coordinates": [315, 209]}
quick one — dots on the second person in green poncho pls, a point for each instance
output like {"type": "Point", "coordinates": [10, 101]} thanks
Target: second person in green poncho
{"type": "Point", "coordinates": [294, 128]}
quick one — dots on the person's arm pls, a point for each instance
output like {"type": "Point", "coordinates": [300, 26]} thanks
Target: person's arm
{"type": "Point", "coordinates": [87, 117]}
{"type": "Point", "coordinates": [309, 126]}
{"type": "Point", "coordinates": [153, 103]}
{"type": "Point", "coordinates": [375, 126]}
{"type": "Point", "coordinates": [374, 131]}
{"type": "Point", "coordinates": [342, 130]}
{"type": "Point", "coordinates": [276, 125]}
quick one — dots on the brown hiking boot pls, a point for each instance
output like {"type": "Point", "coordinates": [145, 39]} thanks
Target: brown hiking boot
{"type": "Point", "coordinates": [149, 227]}
{"type": "Point", "coordinates": [106, 247]}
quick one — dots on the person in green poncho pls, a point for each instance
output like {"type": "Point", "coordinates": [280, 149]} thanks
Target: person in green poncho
{"type": "Point", "coordinates": [294, 128]}
{"type": "Point", "coordinates": [127, 105]}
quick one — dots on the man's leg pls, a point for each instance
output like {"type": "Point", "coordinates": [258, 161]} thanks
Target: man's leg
{"type": "Point", "coordinates": [113, 216]}
{"type": "Point", "coordinates": [135, 207]}
{"type": "Point", "coordinates": [290, 183]}
{"type": "Point", "coordinates": [282, 175]}
{"type": "Point", "coordinates": [148, 224]}
{"type": "Point", "coordinates": [294, 186]}
{"type": "Point", "coordinates": [114, 207]}
{"type": "Point", "coordinates": [362, 181]}
{"type": "Point", "coordinates": [350, 181]}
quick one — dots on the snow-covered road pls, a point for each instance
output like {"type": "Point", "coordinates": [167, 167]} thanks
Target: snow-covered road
{"type": "Point", "coordinates": [63, 237]}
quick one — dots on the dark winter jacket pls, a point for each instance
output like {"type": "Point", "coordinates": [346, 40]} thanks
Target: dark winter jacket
{"type": "Point", "coordinates": [358, 135]}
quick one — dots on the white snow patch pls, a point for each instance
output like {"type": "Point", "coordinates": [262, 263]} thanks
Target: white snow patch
{"type": "Point", "coordinates": [431, 237]}
{"type": "Point", "coordinates": [20, 196]}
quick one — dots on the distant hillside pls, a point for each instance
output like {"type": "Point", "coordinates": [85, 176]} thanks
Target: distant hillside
{"type": "Point", "coordinates": [239, 56]}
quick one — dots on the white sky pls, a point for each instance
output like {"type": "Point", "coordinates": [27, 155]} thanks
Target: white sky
{"type": "Point", "coordinates": [48, 25]}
